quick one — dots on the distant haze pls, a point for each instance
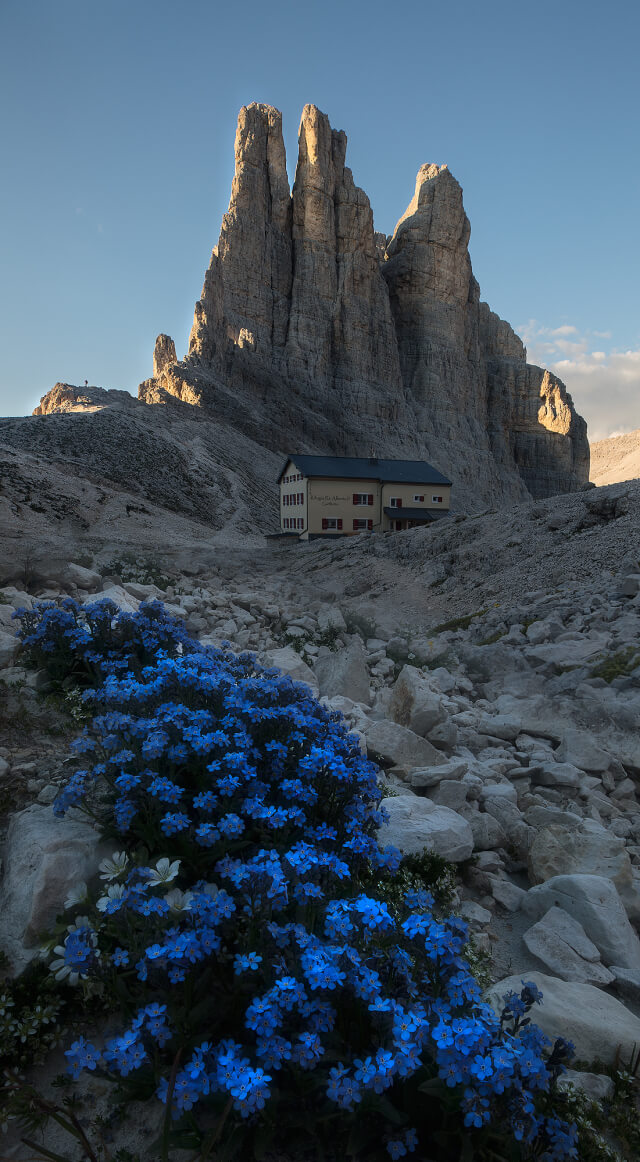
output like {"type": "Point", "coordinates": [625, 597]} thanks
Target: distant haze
{"type": "Point", "coordinates": [118, 129]}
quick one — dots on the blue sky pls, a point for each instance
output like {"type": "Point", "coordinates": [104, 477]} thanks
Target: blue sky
{"type": "Point", "coordinates": [118, 122]}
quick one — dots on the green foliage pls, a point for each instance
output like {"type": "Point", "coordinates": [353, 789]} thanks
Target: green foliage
{"type": "Point", "coordinates": [32, 1012]}
{"type": "Point", "coordinates": [359, 623]}
{"type": "Point", "coordinates": [141, 570]}
{"type": "Point", "coordinates": [608, 1131]}
{"type": "Point", "coordinates": [427, 870]}
{"type": "Point", "coordinates": [493, 637]}
{"type": "Point", "coordinates": [617, 665]}
{"type": "Point", "coordinates": [458, 622]}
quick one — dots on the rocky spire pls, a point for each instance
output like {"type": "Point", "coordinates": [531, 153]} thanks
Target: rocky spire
{"type": "Point", "coordinates": [314, 332]}
{"type": "Point", "coordinates": [164, 354]}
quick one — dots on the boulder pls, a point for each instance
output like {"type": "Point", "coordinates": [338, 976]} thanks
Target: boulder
{"type": "Point", "coordinates": [430, 776]}
{"type": "Point", "coordinates": [44, 858]}
{"type": "Point", "coordinates": [591, 850]}
{"type": "Point", "coordinates": [600, 1027]}
{"type": "Point", "coordinates": [417, 825]}
{"type": "Point", "coordinates": [579, 748]}
{"type": "Point", "coordinates": [564, 948]}
{"type": "Point", "coordinates": [9, 646]}
{"type": "Point", "coordinates": [594, 902]}
{"type": "Point", "coordinates": [290, 663]}
{"type": "Point", "coordinates": [555, 774]}
{"type": "Point", "coordinates": [344, 672]}
{"type": "Point", "coordinates": [118, 595]}
{"type": "Point", "coordinates": [414, 703]}
{"type": "Point", "coordinates": [330, 618]}
{"type": "Point", "coordinates": [86, 579]}
{"type": "Point", "coordinates": [487, 832]}
{"type": "Point", "coordinates": [596, 1086]}
{"type": "Point", "coordinates": [395, 745]}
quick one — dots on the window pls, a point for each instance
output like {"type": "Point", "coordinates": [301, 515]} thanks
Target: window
{"type": "Point", "coordinates": [436, 500]}
{"type": "Point", "coordinates": [420, 499]}
{"type": "Point", "coordinates": [331, 522]}
{"type": "Point", "coordinates": [363, 498]}
{"type": "Point", "coordinates": [300, 523]}
{"type": "Point", "coordinates": [301, 498]}
{"type": "Point", "coordinates": [395, 502]}
{"type": "Point", "coordinates": [360, 524]}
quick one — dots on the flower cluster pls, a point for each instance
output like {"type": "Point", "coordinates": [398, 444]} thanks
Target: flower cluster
{"type": "Point", "coordinates": [247, 819]}
{"type": "Point", "coordinates": [91, 640]}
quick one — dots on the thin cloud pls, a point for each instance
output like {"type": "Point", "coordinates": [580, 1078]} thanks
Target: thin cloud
{"type": "Point", "coordinates": [564, 330]}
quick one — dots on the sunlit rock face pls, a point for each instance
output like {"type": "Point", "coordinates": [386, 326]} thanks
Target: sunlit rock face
{"type": "Point", "coordinates": [316, 333]}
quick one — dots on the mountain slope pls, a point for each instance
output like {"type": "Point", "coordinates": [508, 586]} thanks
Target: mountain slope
{"type": "Point", "coordinates": [616, 459]}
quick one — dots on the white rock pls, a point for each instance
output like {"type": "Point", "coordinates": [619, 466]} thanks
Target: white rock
{"type": "Point", "coordinates": [506, 893]}
{"type": "Point", "coordinates": [330, 617]}
{"type": "Point", "coordinates": [474, 913]}
{"type": "Point", "coordinates": [398, 746]}
{"type": "Point", "coordinates": [17, 598]}
{"type": "Point", "coordinates": [417, 825]}
{"type": "Point", "coordinates": [118, 595]}
{"type": "Point", "coordinates": [344, 672]}
{"type": "Point", "coordinates": [287, 660]}
{"type": "Point", "coordinates": [561, 943]}
{"type": "Point", "coordinates": [594, 902]}
{"type": "Point", "coordinates": [44, 858]}
{"type": "Point", "coordinates": [143, 592]}
{"type": "Point", "coordinates": [598, 1087]}
{"type": "Point", "coordinates": [9, 646]}
{"type": "Point", "coordinates": [590, 850]}
{"type": "Point", "coordinates": [579, 748]}
{"type": "Point", "coordinates": [487, 832]}
{"type": "Point", "coordinates": [430, 776]}
{"type": "Point", "coordinates": [555, 774]}
{"type": "Point", "coordinates": [599, 1025]}
{"type": "Point", "coordinates": [414, 703]}
{"type": "Point", "coordinates": [87, 579]}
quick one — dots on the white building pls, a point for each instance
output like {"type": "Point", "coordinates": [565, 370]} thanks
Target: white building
{"type": "Point", "coordinates": [342, 495]}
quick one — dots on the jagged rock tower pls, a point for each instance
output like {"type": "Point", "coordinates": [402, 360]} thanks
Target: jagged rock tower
{"type": "Point", "coordinates": [314, 333]}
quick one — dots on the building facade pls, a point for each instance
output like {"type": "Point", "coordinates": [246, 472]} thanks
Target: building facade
{"type": "Point", "coordinates": [332, 496]}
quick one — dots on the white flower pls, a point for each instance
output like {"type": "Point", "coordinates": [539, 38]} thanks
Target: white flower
{"type": "Point", "coordinates": [114, 892]}
{"type": "Point", "coordinates": [79, 894]}
{"type": "Point", "coordinates": [178, 901]}
{"type": "Point", "coordinates": [164, 872]}
{"type": "Point", "coordinates": [110, 869]}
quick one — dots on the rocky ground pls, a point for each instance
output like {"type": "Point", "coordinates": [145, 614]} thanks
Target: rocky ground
{"type": "Point", "coordinates": [617, 458]}
{"type": "Point", "coordinates": [491, 665]}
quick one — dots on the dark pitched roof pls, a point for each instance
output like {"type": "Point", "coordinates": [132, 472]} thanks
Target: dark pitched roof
{"type": "Point", "coordinates": [422, 514]}
{"type": "Point", "coordinates": [367, 468]}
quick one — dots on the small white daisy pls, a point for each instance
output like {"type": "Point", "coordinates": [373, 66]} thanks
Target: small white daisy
{"type": "Point", "coordinates": [114, 892]}
{"type": "Point", "coordinates": [78, 894]}
{"type": "Point", "coordinates": [111, 868]}
{"type": "Point", "coordinates": [164, 872]}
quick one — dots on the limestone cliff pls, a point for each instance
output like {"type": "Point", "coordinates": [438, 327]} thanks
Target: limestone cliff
{"type": "Point", "coordinates": [316, 333]}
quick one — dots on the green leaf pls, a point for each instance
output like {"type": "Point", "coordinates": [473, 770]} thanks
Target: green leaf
{"type": "Point", "coordinates": [433, 1086]}
{"type": "Point", "coordinates": [262, 1141]}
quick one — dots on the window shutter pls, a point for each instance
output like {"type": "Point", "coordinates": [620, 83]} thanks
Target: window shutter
{"type": "Point", "coordinates": [355, 498]}
{"type": "Point", "coordinates": [339, 522]}
{"type": "Point", "coordinates": [369, 525]}
{"type": "Point", "coordinates": [325, 523]}
{"type": "Point", "coordinates": [370, 498]}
